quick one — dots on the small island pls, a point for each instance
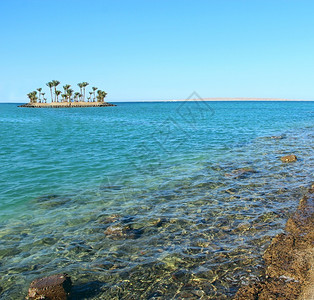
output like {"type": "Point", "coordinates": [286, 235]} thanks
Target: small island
{"type": "Point", "coordinates": [69, 98]}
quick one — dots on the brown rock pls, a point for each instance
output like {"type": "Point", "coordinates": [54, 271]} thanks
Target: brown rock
{"type": "Point", "coordinates": [55, 287]}
{"type": "Point", "coordinates": [289, 259]}
{"type": "Point", "coordinates": [289, 158]}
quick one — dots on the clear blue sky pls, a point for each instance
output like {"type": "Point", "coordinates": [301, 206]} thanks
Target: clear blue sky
{"type": "Point", "coordinates": [159, 49]}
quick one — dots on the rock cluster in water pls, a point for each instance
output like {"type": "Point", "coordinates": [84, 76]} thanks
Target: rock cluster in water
{"type": "Point", "coordinates": [289, 158]}
{"type": "Point", "coordinates": [56, 287]}
{"type": "Point", "coordinates": [288, 259]}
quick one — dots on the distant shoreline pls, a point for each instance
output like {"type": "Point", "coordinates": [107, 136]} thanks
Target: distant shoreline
{"type": "Point", "coordinates": [222, 99]}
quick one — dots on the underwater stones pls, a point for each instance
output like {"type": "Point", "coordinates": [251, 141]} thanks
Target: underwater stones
{"type": "Point", "coordinates": [52, 200]}
{"type": "Point", "coordinates": [121, 231]}
{"type": "Point", "coordinates": [181, 275]}
{"type": "Point", "coordinates": [240, 173]}
{"type": "Point", "coordinates": [55, 287]}
{"type": "Point", "coordinates": [108, 219]}
{"type": "Point", "coordinates": [275, 137]}
{"type": "Point", "coordinates": [278, 137]}
{"type": "Point", "coordinates": [289, 158]}
{"type": "Point", "coordinates": [159, 222]}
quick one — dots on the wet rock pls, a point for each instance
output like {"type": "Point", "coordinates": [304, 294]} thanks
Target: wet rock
{"type": "Point", "coordinates": [288, 259]}
{"type": "Point", "coordinates": [289, 158]}
{"type": "Point", "coordinates": [55, 287]}
{"type": "Point", "coordinates": [279, 289]}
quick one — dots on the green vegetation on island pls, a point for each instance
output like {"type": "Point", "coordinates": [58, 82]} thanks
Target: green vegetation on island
{"type": "Point", "coordinates": [68, 95]}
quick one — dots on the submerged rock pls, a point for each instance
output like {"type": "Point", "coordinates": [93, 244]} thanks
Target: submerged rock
{"type": "Point", "coordinates": [121, 231]}
{"type": "Point", "coordinates": [52, 200]}
{"type": "Point", "coordinates": [108, 219]}
{"type": "Point", "coordinates": [55, 287]}
{"type": "Point", "coordinates": [181, 275]}
{"type": "Point", "coordinates": [289, 158]}
{"type": "Point", "coordinates": [241, 172]}
{"type": "Point", "coordinates": [159, 222]}
{"type": "Point", "coordinates": [275, 137]}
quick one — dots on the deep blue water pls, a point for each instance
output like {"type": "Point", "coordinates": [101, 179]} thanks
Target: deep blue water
{"type": "Point", "coordinates": [148, 200]}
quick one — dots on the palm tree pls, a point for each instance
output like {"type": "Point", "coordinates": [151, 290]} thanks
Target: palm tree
{"type": "Point", "coordinates": [81, 84]}
{"type": "Point", "coordinates": [57, 94]}
{"type": "Point", "coordinates": [101, 95]}
{"type": "Point", "coordinates": [64, 97]}
{"type": "Point", "coordinates": [55, 84]}
{"type": "Point", "coordinates": [76, 95]}
{"type": "Point", "coordinates": [32, 97]}
{"type": "Point", "coordinates": [90, 96]}
{"type": "Point", "coordinates": [94, 92]}
{"type": "Point", "coordinates": [85, 84]}
{"type": "Point", "coordinates": [43, 94]}
{"type": "Point", "coordinates": [66, 87]}
{"type": "Point", "coordinates": [50, 85]}
{"type": "Point", "coordinates": [39, 90]}
{"type": "Point", "coordinates": [69, 94]}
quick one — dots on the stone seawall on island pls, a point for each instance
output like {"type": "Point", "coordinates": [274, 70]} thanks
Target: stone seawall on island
{"type": "Point", "coordinates": [66, 104]}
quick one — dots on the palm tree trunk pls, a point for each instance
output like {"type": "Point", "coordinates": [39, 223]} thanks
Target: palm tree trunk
{"type": "Point", "coordinates": [51, 94]}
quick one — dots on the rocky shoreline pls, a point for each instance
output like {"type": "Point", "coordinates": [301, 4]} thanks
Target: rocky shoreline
{"type": "Point", "coordinates": [66, 104]}
{"type": "Point", "coordinates": [289, 260]}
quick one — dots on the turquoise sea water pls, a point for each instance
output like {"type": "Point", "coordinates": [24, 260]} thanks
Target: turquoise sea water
{"type": "Point", "coordinates": [148, 200]}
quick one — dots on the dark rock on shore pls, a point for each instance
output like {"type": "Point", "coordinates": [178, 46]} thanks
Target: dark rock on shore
{"type": "Point", "coordinates": [288, 260]}
{"type": "Point", "coordinates": [289, 158]}
{"type": "Point", "coordinates": [55, 287]}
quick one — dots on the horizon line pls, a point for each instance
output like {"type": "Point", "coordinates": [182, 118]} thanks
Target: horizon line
{"type": "Point", "coordinates": [202, 99]}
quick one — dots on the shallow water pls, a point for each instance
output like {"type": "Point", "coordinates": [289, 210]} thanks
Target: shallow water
{"type": "Point", "coordinates": [148, 200]}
